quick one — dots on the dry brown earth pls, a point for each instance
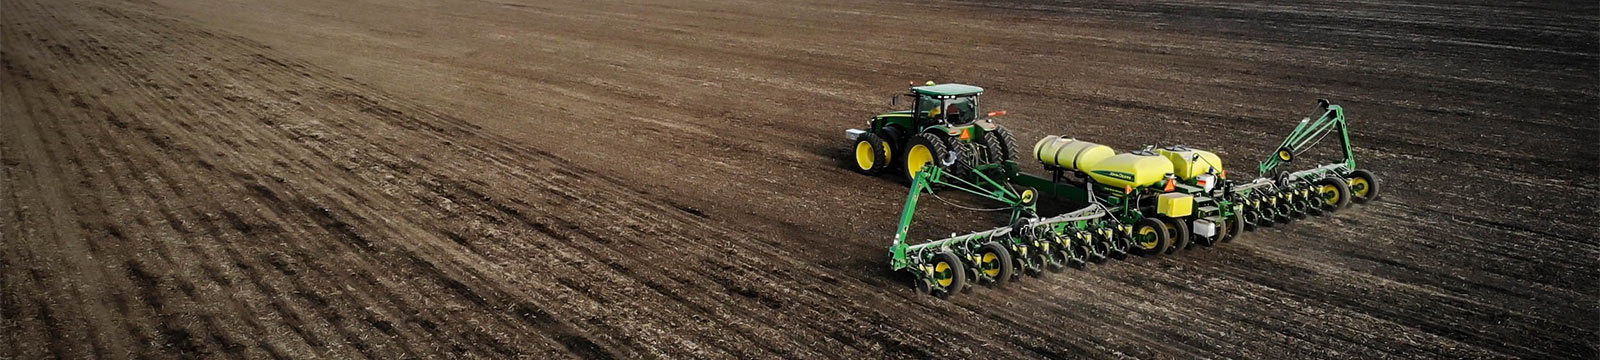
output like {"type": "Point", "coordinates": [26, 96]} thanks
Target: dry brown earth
{"type": "Point", "coordinates": [598, 179]}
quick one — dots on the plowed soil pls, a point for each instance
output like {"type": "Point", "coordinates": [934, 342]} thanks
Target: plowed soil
{"type": "Point", "coordinates": [642, 179]}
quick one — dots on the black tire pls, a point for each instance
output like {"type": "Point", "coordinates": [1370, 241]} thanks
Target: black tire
{"type": "Point", "coordinates": [921, 142]}
{"type": "Point", "coordinates": [1334, 193]}
{"type": "Point", "coordinates": [1036, 263]}
{"type": "Point", "coordinates": [1099, 248]}
{"type": "Point", "coordinates": [994, 263]}
{"type": "Point", "coordinates": [924, 287]}
{"type": "Point", "coordinates": [1251, 217]}
{"type": "Point", "coordinates": [1300, 206]}
{"type": "Point", "coordinates": [1362, 178]}
{"type": "Point", "coordinates": [953, 277]}
{"type": "Point", "coordinates": [1235, 229]}
{"type": "Point", "coordinates": [965, 160]}
{"type": "Point", "coordinates": [994, 151]}
{"type": "Point", "coordinates": [1008, 143]}
{"type": "Point", "coordinates": [1151, 237]}
{"type": "Point", "coordinates": [1059, 254]}
{"type": "Point", "coordinates": [1284, 210]}
{"type": "Point", "coordinates": [1082, 249]}
{"type": "Point", "coordinates": [1179, 234]}
{"type": "Point", "coordinates": [869, 154]}
{"type": "Point", "coordinates": [894, 139]}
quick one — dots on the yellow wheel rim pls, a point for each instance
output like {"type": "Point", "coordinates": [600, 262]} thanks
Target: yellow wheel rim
{"type": "Point", "coordinates": [1330, 194]}
{"type": "Point", "coordinates": [1359, 187]}
{"type": "Point", "coordinates": [864, 157]}
{"type": "Point", "coordinates": [989, 266]}
{"type": "Point", "coordinates": [941, 274]}
{"type": "Point", "coordinates": [1148, 237]}
{"type": "Point", "coordinates": [1284, 155]}
{"type": "Point", "coordinates": [918, 156]}
{"type": "Point", "coordinates": [1027, 196]}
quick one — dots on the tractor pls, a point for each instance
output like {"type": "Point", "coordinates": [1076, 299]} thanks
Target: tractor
{"type": "Point", "coordinates": [944, 119]}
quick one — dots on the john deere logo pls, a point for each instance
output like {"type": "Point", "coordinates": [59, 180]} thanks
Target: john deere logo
{"type": "Point", "coordinates": [1116, 174]}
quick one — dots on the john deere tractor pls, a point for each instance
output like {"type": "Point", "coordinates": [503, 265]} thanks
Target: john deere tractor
{"type": "Point", "coordinates": [944, 120]}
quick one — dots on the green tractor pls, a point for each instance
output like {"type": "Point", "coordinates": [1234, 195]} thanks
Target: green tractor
{"type": "Point", "coordinates": [944, 123]}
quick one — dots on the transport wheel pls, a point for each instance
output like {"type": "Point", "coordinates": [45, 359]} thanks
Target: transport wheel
{"type": "Point", "coordinates": [872, 154]}
{"type": "Point", "coordinates": [1334, 193]}
{"type": "Point", "coordinates": [1151, 237]}
{"type": "Point", "coordinates": [1008, 144]}
{"type": "Point", "coordinates": [1235, 227]}
{"type": "Point", "coordinates": [1363, 186]}
{"type": "Point", "coordinates": [994, 264]}
{"type": "Point", "coordinates": [1178, 231]}
{"type": "Point", "coordinates": [923, 150]}
{"type": "Point", "coordinates": [948, 274]}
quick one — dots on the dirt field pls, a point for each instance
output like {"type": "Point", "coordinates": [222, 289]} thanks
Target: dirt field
{"type": "Point", "coordinates": [641, 179]}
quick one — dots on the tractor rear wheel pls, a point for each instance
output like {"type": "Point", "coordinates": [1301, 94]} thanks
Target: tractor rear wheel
{"type": "Point", "coordinates": [924, 149]}
{"type": "Point", "coordinates": [1178, 231]}
{"type": "Point", "coordinates": [966, 159]}
{"type": "Point", "coordinates": [1363, 186]}
{"type": "Point", "coordinates": [994, 264]}
{"type": "Point", "coordinates": [1008, 143]}
{"type": "Point", "coordinates": [948, 274]}
{"type": "Point", "coordinates": [872, 154]}
{"type": "Point", "coordinates": [1151, 237]}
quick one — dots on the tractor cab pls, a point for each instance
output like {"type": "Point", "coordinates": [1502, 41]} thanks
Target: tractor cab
{"type": "Point", "coordinates": [947, 104]}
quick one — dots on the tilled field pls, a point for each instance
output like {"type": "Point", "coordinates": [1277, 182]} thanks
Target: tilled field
{"type": "Point", "coordinates": [602, 179]}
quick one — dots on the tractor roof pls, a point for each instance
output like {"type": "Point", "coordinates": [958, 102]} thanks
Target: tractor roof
{"type": "Point", "coordinates": [948, 90]}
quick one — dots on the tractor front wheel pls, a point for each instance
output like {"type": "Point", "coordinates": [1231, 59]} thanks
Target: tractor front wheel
{"type": "Point", "coordinates": [871, 154]}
